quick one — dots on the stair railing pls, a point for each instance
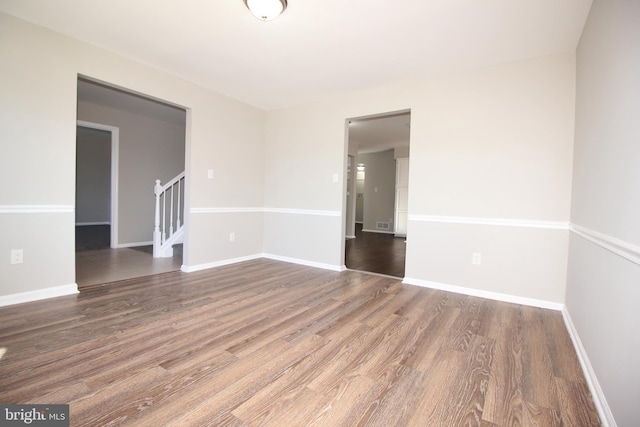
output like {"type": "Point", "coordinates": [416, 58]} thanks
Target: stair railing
{"type": "Point", "coordinates": [169, 197]}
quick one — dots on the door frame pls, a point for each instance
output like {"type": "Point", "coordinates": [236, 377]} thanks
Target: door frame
{"type": "Point", "coordinates": [345, 188]}
{"type": "Point", "coordinates": [115, 142]}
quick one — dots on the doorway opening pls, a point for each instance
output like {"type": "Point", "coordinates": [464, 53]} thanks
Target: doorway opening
{"type": "Point", "coordinates": [96, 186]}
{"type": "Point", "coordinates": [376, 195]}
{"type": "Point", "coordinates": [125, 142]}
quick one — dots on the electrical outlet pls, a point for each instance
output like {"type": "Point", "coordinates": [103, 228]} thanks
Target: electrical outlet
{"type": "Point", "coordinates": [17, 256]}
{"type": "Point", "coordinates": [232, 237]}
{"type": "Point", "coordinates": [476, 258]}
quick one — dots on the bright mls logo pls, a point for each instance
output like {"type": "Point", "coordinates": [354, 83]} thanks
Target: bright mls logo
{"type": "Point", "coordinates": [34, 415]}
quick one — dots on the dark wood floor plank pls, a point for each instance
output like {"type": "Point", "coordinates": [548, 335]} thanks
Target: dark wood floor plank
{"type": "Point", "coordinates": [269, 343]}
{"type": "Point", "coordinates": [376, 252]}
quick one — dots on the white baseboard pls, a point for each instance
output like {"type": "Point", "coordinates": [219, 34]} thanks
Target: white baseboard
{"type": "Point", "coordinates": [485, 294]}
{"type": "Point", "coordinates": [198, 267]}
{"type": "Point", "coordinates": [82, 224]}
{"type": "Point", "coordinates": [40, 294]}
{"type": "Point", "coordinates": [349, 237]}
{"type": "Point", "coordinates": [134, 244]}
{"type": "Point", "coordinates": [378, 231]}
{"type": "Point", "coordinates": [606, 417]}
{"type": "Point", "coordinates": [305, 262]}
{"type": "Point", "coordinates": [208, 265]}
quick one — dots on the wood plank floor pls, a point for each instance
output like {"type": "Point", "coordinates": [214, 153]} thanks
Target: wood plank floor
{"type": "Point", "coordinates": [376, 253]}
{"type": "Point", "coordinates": [276, 344]}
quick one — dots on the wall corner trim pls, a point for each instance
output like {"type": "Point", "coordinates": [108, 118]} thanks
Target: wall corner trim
{"type": "Point", "coordinates": [606, 417]}
{"type": "Point", "coordinates": [40, 294]}
{"type": "Point", "coordinates": [485, 294]}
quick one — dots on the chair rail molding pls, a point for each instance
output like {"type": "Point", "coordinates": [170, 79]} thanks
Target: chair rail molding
{"type": "Point", "coordinates": [23, 209]}
{"type": "Point", "coordinates": [503, 222]}
{"type": "Point", "coordinates": [619, 247]}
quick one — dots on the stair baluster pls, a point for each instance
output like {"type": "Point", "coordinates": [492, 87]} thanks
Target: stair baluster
{"type": "Point", "coordinates": [165, 198]}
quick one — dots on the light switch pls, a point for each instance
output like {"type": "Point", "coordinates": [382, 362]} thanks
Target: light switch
{"type": "Point", "coordinates": [210, 174]}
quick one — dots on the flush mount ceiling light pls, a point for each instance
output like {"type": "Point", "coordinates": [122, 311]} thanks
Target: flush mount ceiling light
{"type": "Point", "coordinates": [266, 10]}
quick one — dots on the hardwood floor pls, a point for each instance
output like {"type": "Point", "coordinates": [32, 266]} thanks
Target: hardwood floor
{"type": "Point", "coordinates": [100, 266]}
{"type": "Point", "coordinates": [376, 253]}
{"type": "Point", "coordinates": [276, 344]}
{"type": "Point", "coordinates": [97, 263]}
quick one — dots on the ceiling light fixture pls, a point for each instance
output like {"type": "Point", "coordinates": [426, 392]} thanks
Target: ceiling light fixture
{"type": "Point", "coordinates": [266, 10]}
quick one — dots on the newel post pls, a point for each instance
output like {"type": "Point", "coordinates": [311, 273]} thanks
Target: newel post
{"type": "Point", "coordinates": [157, 240]}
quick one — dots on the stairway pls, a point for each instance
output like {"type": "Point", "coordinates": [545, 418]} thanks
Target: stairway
{"type": "Point", "coordinates": [169, 225]}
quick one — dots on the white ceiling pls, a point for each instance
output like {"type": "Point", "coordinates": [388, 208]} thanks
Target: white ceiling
{"type": "Point", "coordinates": [317, 48]}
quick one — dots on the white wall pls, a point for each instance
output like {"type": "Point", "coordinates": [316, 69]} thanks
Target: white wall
{"type": "Point", "coordinates": [304, 148]}
{"type": "Point", "coordinates": [38, 81]}
{"type": "Point", "coordinates": [604, 287]}
{"type": "Point", "coordinates": [493, 143]}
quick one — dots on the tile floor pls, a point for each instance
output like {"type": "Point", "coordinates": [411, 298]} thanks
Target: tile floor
{"type": "Point", "coordinates": [110, 265]}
